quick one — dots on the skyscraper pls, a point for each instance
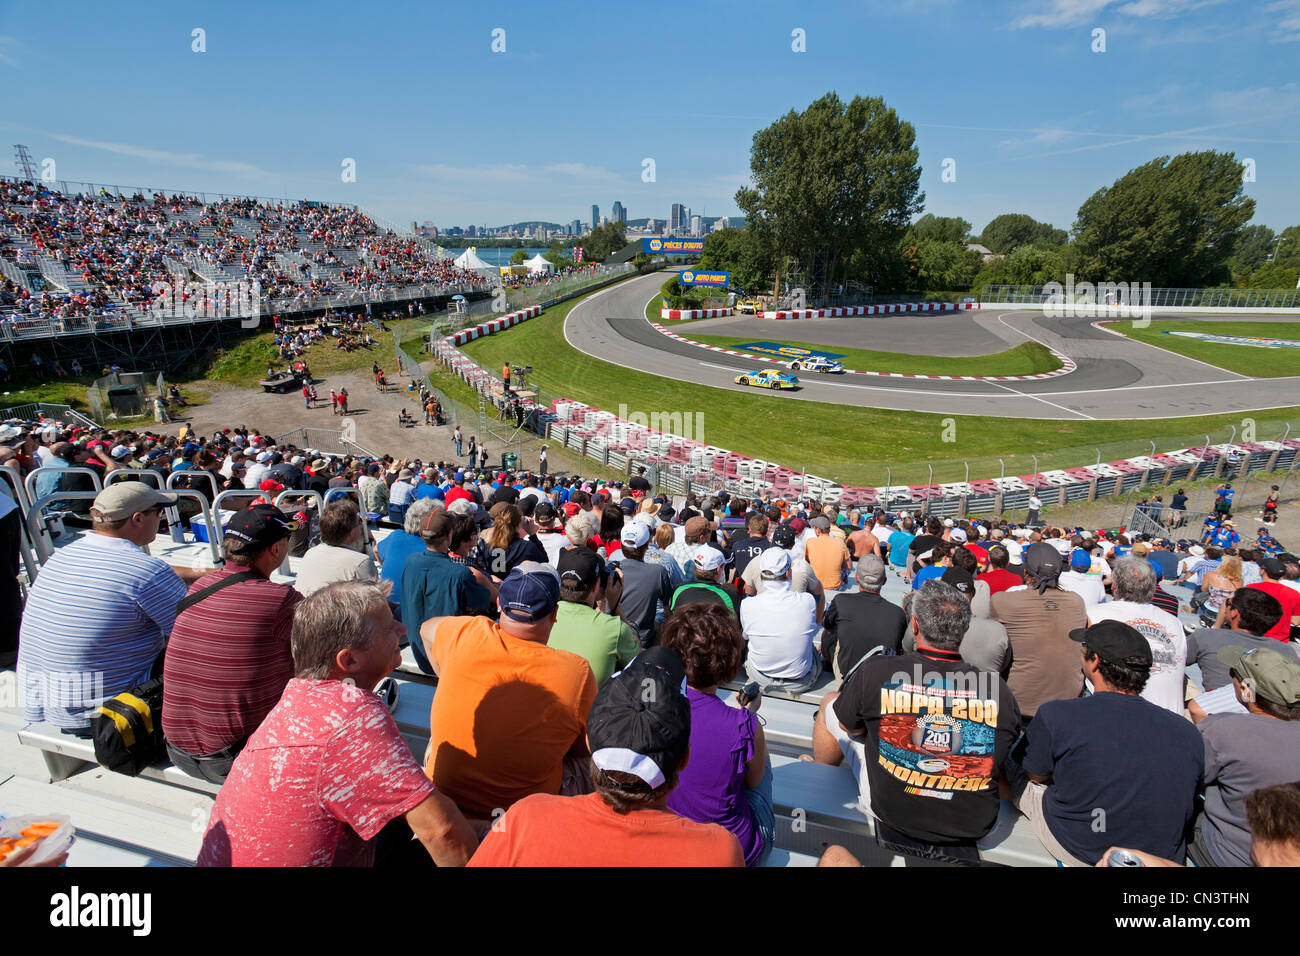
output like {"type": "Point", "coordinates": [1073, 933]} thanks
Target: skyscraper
{"type": "Point", "coordinates": [595, 216]}
{"type": "Point", "coordinates": [675, 222]}
{"type": "Point", "coordinates": [618, 213]}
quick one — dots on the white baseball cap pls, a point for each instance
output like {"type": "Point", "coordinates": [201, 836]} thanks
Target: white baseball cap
{"type": "Point", "coordinates": [958, 535]}
{"type": "Point", "coordinates": [710, 559]}
{"type": "Point", "coordinates": [773, 563]}
{"type": "Point", "coordinates": [635, 534]}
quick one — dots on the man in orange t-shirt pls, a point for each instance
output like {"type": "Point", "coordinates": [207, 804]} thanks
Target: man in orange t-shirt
{"type": "Point", "coordinates": [639, 732]}
{"type": "Point", "coordinates": [509, 709]}
{"type": "Point", "coordinates": [827, 555]}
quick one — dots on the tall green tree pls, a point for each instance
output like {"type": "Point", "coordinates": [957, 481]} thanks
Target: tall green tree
{"type": "Point", "coordinates": [1024, 265]}
{"type": "Point", "coordinates": [939, 229]}
{"type": "Point", "coordinates": [742, 253]}
{"type": "Point", "coordinates": [1253, 248]}
{"type": "Point", "coordinates": [944, 265]}
{"type": "Point", "coordinates": [1009, 230]}
{"type": "Point", "coordinates": [830, 181]}
{"type": "Point", "coordinates": [1172, 222]}
{"type": "Point", "coordinates": [599, 244]}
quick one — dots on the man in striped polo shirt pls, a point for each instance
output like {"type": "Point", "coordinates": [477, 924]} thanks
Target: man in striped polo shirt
{"type": "Point", "coordinates": [98, 616]}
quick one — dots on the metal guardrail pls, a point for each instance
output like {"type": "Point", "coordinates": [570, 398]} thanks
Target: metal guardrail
{"type": "Point", "coordinates": [1160, 298]}
{"type": "Point", "coordinates": [325, 440]}
{"type": "Point", "coordinates": [35, 522]}
{"type": "Point", "coordinates": [32, 410]}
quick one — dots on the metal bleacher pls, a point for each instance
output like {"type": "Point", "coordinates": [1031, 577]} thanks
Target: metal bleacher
{"type": "Point", "coordinates": [158, 817]}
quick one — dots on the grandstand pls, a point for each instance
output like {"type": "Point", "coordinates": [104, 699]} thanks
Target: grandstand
{"type": "Point", "coordinates": [95, 267]}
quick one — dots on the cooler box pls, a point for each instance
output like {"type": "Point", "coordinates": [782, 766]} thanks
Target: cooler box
{"type": "Point", "coordinates": [199, 527]}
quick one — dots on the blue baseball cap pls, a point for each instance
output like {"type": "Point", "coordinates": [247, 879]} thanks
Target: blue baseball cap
{"type": "Point", "coordinates": [1080, 559]}
{"type": "Point", "coordinates": [530, 592]}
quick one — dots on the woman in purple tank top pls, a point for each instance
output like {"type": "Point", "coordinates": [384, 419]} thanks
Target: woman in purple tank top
{"type": "Point", "coordinates": [728, 779]}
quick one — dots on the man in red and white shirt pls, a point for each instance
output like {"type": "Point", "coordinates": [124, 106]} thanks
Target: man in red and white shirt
{"type": "Point", "coordinates": [328, 768]}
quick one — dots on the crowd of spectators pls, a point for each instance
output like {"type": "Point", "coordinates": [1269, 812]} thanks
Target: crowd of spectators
{"type": "Point", "coordinates": [579, 632]}
{"type": "Point", "coordinates": [115, 250]}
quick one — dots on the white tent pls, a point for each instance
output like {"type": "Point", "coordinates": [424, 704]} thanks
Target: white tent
{"type": "Point", "coordinates": [539, 263]}
{"type": "Point", "coordinates": [469, 260]}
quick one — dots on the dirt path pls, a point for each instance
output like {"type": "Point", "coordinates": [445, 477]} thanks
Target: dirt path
{"type": "Point", "coordinates": [374, 413]}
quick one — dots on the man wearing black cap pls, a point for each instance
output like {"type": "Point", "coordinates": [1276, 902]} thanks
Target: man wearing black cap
{"type": "Point", "coordinates": [1039, 618]}
{"type": "Point", "coordinates": [639, 733]}
{"type": "Point", "coordinates": [1112, 769]}
{"type": "Point", "coordinates": [604, 641]}
{"type": "Point", "coordinates": [229, 659]}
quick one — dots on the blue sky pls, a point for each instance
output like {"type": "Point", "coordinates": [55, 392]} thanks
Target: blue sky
{"type": "Point", "coordinates": [444, 129]}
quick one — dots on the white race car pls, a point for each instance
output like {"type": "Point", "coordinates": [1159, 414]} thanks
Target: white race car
{"type": "Point", "coordinates": [816, 363]}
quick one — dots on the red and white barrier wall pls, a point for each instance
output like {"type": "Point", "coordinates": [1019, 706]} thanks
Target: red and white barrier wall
{"type": "Point", "coordinates": [832, 313]}
{"type": "Point", "coordinates": [692, 313]}
{"type": "Point", "coordinates": [494, 325]}
{"type": "Point", "coordinates": [889, 309]}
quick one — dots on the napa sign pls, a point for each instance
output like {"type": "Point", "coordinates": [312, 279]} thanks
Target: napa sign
{"type": "Point", "coordinates": [1255, 340]}
{"type": "Point", "coordinates": [720, 280]}
{"type": "Point", "coordinates": [787, 351]}
{"type": "Point", "coordinates": [673, 246]}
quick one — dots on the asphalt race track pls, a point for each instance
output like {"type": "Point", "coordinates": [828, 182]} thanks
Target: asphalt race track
{"type": "Point", "coordinates": [1116, 378]}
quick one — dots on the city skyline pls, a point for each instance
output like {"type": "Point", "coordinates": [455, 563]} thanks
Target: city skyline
{"type": "Point", "coordinates": [1083, 92]}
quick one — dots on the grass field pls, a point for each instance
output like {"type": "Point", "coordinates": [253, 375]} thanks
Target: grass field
{"type": "Point", "coordinates": [857, 446]}
{"type": "Point", "coordinates": [1245, 359]}
{"type": "Point", "coordinates": [1028, 358]}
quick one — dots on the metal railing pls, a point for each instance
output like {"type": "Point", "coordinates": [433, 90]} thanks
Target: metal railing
{"type": "Point", "coordinates": [1160, 298]}
{"type": "Point", "coordinates": [49, 410]}
{"type": "Point", "coordinates": [548, 293]}
{"type": "Point", "coordinates": [325, 440]}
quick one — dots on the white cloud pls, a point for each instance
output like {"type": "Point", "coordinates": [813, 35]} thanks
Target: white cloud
{"type": "Point", "coordinates": [1170, 98]}
{"type": "Point", "coordinates": [1163, 9]}
{"type": "Point", "coordinates": [1063, 13]}
{"type": "Point", "coordinates": [1073, 13]}
{"type": "Point", "coordinates": [189, 160]}
{"type": "Point", "coordinates": [1265, 102]}
{"type": "Point", "coordinates": [6, 56]}
{"type": "Point", "coordinates": [1287, 29]}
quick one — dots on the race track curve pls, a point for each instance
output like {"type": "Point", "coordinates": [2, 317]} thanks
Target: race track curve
{"type": "Point", "coordinates": [1117, 377]}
